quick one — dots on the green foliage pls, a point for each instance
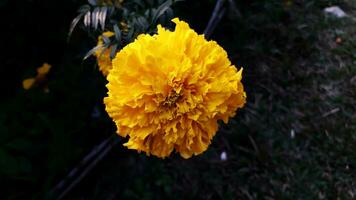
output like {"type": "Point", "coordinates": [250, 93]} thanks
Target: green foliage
{"type": "Point", "coordinates": [127, 19]}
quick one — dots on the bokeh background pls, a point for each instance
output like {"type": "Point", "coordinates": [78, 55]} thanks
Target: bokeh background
{"type": "Point", "coordinates": [295, 138]}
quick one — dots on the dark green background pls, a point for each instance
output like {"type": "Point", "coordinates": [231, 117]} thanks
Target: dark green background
{"type": "Point", "coordinates": [294, 74]}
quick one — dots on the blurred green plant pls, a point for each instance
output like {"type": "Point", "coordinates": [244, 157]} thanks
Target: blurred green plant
{"type": "Point", "coordinates": [126, 18]}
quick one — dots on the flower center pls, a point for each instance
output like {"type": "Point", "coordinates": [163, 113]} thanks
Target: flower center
{"type": "Point", "coordinates": [171, 99]}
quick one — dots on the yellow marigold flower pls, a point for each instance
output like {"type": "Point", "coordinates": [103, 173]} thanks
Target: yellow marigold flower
{"type": "Point", "coordinates": [28, 83]}
{"type": "Point", "coordinates": [40, 77]}
{"type": "Point", "coordinates": [103, 55]}
{"type": "Point", "coordinates": [44, 69]}
{"type": "Point", "coordinates": [167, 91]}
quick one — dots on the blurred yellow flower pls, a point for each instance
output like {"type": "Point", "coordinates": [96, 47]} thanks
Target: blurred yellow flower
{"type": "Point", "coordinates": [103, 55]}
{"type": "Point", "coordinates": [41, 75]}
{"type": "Point", "coordinates": [168, 91]}
{"type": "Point", "coordinates": [44, 69]}
{"type": "Point", "coordinates": [28, 83]}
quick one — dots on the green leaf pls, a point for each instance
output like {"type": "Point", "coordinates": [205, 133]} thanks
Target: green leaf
{"type": "Point", "coordinates": [92, 51]}
{"type": "Point", "coordinates": [92, 2]}
{"type": "Point", "coordinates": [117, 32]}
{"type": "Point", "coordinates": [160, 10]}
{"type": "Point", "coordinates": [87, 19]}
{"type": "Point", "coordinates": [125, 13]}
{"type": "Point", "coordinates": [169, 13]}
{"type": "Point", "coordinates": [95, 18]}
{"type": "Point", "coordinates": [130, 34]}
{"type": "Point", "coordinates": [84, 8]}
{"type": "Point", "coordinates": [106, 40]}
{"type": "Point", "coordinates": [142, 23]}
{"type": "Point", "coordinates": [148, 13]}
{"type": "Point", "coordinates": [102, 17]}
{"type": "Point", "coordinates": [74, 24]}
{"type": "Point", "coordinates": [113, 50]}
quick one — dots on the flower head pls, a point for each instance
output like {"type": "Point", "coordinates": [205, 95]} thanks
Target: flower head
{"type": "Point", "coordinates": [103, 55]}
{"type": "Point", "coordinates": [40, 77]}
{"type": "Point", "coordinates": [44, 69]}
{"type": "Point", "coordinates": [28, 83]}
{"type": "Point", "coordinates": [167, 91]}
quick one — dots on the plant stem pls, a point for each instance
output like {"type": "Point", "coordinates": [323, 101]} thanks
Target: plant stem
{"type": "Point", "coordinates": [84, 167]}
{"type": "Point", "coordinates": [215, 18]}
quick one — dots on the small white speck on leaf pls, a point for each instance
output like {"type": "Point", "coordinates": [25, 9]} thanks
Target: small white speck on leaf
{"type": "Point", "coordinates": [336, 11]}
{"type": "Point", "coordinates": [292, 133]}
{"type": "Point", "coordinates": [223, 156]}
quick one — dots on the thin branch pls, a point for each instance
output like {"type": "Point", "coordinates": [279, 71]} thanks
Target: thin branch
{"type": "Point", "coordinates": [84, 167]}
{"type": "Point", "coordinates": [215, 18]}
